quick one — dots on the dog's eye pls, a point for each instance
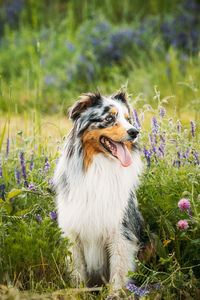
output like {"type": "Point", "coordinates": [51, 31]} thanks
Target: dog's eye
{"type": "Point", "coordinates": [129, 120]}
{"type": "Point", "coordinates": [110, 118]}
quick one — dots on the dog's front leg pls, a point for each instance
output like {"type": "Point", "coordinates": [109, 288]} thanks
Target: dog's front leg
{"type": "Point", "coordinates": [122, 253]}
{"type": "Point", "coordinates": [79, 272]}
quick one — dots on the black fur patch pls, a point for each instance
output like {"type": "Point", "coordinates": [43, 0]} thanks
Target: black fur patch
{"type": "Point", "coordinates": [120, 96]}
{"type": "Point", "coordinates": [132, 224]}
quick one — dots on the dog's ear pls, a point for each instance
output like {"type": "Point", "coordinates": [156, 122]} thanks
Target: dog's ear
{"type": "Point", "coordinates": [86, 101]}
{"type": "Point", "coordinates": [121, 96]}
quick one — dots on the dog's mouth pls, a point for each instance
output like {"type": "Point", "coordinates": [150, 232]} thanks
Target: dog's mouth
{"type": "Point", "coordinates": [117, 149]}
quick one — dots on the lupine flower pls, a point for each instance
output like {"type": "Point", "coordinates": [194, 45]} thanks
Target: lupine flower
{"type": "Point", "coordinates": [2, 191]}
{"type": "Point", "coordinates": [17, 175]}
{"type": "Point", "coordinates": [46, 166]}
{"type": "Point", "coordinates": [182, 225]}
{"type": "Point", "coordinates": [136, 120]}
{"type": "Point", "coordinates": [154, 125]}
{"type": "Point", "coordinates": [184, 204]}
{"type": "Point", "coordinates": [22, 162]}
{"type": "Point", "coordinates": [147, 155]}
{"type": "Point", "coordinates": [1, 172]}
{"type": "Point", "coordinates": [8, 146]}
{"type": "Point", "coordinates": [22, 216]}
{"type": "Point", "coordinates": [193, 125]}
{"type": "Point", "coordinates": [137, 290]}
{"type": "Point", "coordinates": [53, 215]}
{"type": "Point", "coordinates": [162, 112]}
{"type": "Point", "coordinates": [179, 127]}
{"type": "Point", "coordinates": [39, 218]}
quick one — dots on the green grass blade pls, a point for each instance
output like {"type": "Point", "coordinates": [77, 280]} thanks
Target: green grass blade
{"type": "Point", "coordinates": [2, 135]}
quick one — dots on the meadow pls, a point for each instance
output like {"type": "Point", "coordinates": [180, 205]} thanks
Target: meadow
{"type": "Point", "coordinates": [49, 55]}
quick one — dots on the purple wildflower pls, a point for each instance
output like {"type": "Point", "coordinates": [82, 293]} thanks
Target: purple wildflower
{"type": "Point", "coordinates": [187, 154]}
{"type": "Point", "coordinates": [136, 120]}
{"type": "Point", "coordinates": [147, 155]}
{"type": "Point", "coordinates": [1, 172]}
{"type": "Point", "coordinates": [46, 166]}
{"type": "Point", "coordinates": [154, 125]}
{"type": "Point", "coordinates": [162, 112]}
{"type": "Point", "coordinates": [31, 187]}
{"type": "Point", "coordinates": [182, 225]}
{"type": "Point", "coordinates": [161, 150]}
{"type": "Point", "coordinates": [2, 191]}
{"type": "Point", "coordinates": [184, 204]}
{"type": "Point", "coordinates": [39, 218]}
{"type": "Point", "coordinates": [177, 162]}
{"type": "Point", "coordinates": [193, 125]}
{"type": "Point", "coordinates": [31, 163]}
{"type": "Point", "coordinates": [179, 127]}
{"type": "Point", "coordinates": [162, 138]}
{"type": "Point", "coordinates": [138, 290]}
{"type": "Point", "coordinates": [17, 175]}
{"type": "Point", "coordinates": [22, 216]}
{"type": "Point", "coordinates": [23, 162]}
{"type": "Point", "coordinates": [195, 154]}
{"type": "Point", "coordinates": [8, 147]}
{"type": "Point", "coordinates": [50, 182]}
{"type": "Point", "coordinates": [53, 215]}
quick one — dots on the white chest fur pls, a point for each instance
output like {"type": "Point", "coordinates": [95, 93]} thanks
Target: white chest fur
{"type": "Point", "coordinates": [95, 202]}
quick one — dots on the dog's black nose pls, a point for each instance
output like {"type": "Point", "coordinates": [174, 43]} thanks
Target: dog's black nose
{"type": "Point", "coordinates": [133, 133]}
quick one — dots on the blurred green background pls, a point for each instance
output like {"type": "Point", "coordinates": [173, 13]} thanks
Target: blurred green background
{"type": "Point", "coordinates": [52, 51]}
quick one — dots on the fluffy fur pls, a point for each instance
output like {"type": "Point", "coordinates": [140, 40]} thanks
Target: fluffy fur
{"type": "Point", "coordinates": [95, 180]}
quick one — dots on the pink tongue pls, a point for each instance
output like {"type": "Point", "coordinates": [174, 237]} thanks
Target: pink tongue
{"type": "Point", "coordinates": [123, 154]}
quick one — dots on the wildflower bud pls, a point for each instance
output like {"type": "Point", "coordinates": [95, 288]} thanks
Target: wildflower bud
{"type": "Point", "coordinates": [17, 175]}
{"type": "Point", "coordinates": [53, 215]}
{"type": "Point", "coordinates": [8, 146]}
{"type": "Point", "coordinates": [136, 120]}
{"type": "Point", "coordinates": [1, 172]}
{"type": "Point", "coordinates": [39, 218]}
{"type": "Point", "coordinates": [154, 125]}
{"type": "Point", "coordinates": [162, 112]}
{"type": "Point", "coordinates": [184, 204]}
{"type": "Point", "coordinates": [46, 166]}
{"type": "Point", "coordinates": [179, 127]}
{"type": "Point", "coordinates": [182, 225]}
{"type": "Point", "coordinates": [193, 125]}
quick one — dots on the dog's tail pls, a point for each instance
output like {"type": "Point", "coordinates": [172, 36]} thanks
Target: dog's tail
{"type": "Point", "coordinates": [147, 251]}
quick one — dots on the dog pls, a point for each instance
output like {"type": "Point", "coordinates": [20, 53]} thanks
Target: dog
{"type": "Point", "coordinates": [96, 178]}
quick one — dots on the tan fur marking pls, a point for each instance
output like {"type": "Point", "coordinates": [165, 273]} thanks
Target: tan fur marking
{"type": "Point", "coordinates": [92, 146]}
{"type": "Point", "coordinates": [126, 115]}
{"type": "Point", "coordinates": [113, 111]}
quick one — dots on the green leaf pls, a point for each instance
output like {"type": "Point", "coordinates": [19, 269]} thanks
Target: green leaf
{"type": "Point", "coordinates": [14, 193]}
{"type": "Point", "coordinates": [8, 207]}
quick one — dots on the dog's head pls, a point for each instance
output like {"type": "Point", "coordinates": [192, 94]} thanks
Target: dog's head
{"type": "Point", "coordinates": [104, 125]}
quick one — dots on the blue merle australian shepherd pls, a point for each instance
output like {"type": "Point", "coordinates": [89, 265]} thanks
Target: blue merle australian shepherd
{"type": "Point", "coordinates": [96, 178]}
